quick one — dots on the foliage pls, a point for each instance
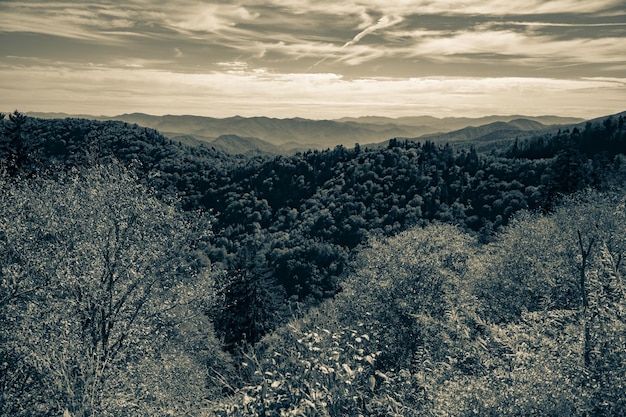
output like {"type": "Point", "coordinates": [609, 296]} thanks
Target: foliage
{"type": "Point", "coordinates": [96, 298]}
{"type": "Point", "coordinates": [414, 279]}
{"type": "Point", "coordinates": [352, 355]}
{"type": "Point", "coordinates": [529, 267]}
{"type": "Point", "coordinates": [424, 280]}
{"type": "Point", "coordinates": [313, 210]}
{"type": "Point", "coordinates": [251, 301]}
{"type": "Point", "coordinates": [414, 331]}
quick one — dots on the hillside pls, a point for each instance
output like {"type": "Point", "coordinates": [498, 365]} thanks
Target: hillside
{"type": "Point", "coordinates": [387, 267]}
{"type": "Point", "coordinates": [322, 133]}
{"type": "Point", "coordinates": [308, 211]}
{"type": "Point", "coordinates": [237, 145]}
{"type": "Point", "coordinates": [496, 135]}
{"type": "Point", "coordinates": [319, 134]}
{"type": "Point", "coordinates": [492, 131]}
{"type": "Point", "coordinates": [432, 323]}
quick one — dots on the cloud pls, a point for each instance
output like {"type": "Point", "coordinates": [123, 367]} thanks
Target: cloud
{"type": "Point", "coordinates": [281, 30]}
{"type": "Point", "coordinates": [234, 67]}
{"type": "Point", "coordinates": [450, 7]}
{"type": "Point", "coordinates": [261, 92]}
{"type": "Point", "coordinates": [208, 17]}
{"type": "Point", "coordinates": [543, 24]}
{"type": "Point", "coordinates": [89, 20]}
{"type": "Point", "coordinates": [519, 47]}
{"type": "Point", "coordinates": [92, 21]}
{"type": "Point", "coordinates": [383, 22]}
{"type": "Point", "coordinates": [245, 56]}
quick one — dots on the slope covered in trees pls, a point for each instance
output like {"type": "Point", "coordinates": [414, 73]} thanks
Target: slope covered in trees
{"type": "Point", "coordinates": [303, 216]}
{"type": "Point", "coordinates": [297, 133]}
{"type": "Point", "coordinates": [433, 323]}
{"type": "Point", "coordinates": [413, 291]}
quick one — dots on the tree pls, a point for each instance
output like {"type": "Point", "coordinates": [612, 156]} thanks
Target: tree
{"type": "Point", "coordinates": [15, 146]}
{"type": "Point", "coordinates": [554, 287]}
{"type": "Point", "coordinates": [253, 302]}
{"type": "Point", "coordinates": [527, 268]}
{"type": "Point", "coordinates": [603, 326]}
{"type": "Point", "coordinates": [570, 172]}
{"type": "Point", "coordinates": [96, 279]}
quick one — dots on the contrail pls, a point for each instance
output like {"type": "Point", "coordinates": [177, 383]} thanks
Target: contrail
{"type": "Point", "coordinates": [382, 23]}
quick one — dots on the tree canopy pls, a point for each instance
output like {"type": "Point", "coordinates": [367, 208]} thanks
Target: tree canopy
{"type": "Point", "coordinates": [142, 276]}
{"type": "Point", "coordinates": [96, 297]}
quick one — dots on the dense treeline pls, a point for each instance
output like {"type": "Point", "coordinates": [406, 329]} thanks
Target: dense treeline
{"type": "Point", "coordinates": [30, 146]}
{"type": "Point", "coordinates": [288, 225]}
{"type": "Point", "coordinates": [606, 138]}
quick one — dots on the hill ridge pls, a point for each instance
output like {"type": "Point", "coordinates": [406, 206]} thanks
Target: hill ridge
{"type": "Point", "coordinates": [305, 132]}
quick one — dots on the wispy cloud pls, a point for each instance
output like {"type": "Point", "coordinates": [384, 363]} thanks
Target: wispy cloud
{"type": "Point", "coordinates": [209, 17]}
{"type": "Point", "coordinates": [522, 47]}
{"type": "Point", "coordinates": [449, 7]}
{"type": "Point", "coordinates": [378, 56]}
{"type": "Point", "coordinates": [505, 7]}
{"type": "Point", "coordinates": [383, 22]}
{"type": "Point", "coordinates": [88, 20]}
{"type": "Point", "coordinates": [542, 24]}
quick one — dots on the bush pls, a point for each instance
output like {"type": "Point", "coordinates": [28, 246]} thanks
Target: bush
{"type": "Point", "coordinates": [100, 289]}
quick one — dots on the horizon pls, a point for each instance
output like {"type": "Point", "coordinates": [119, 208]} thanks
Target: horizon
{"type": "Point", "coordinates": [323, 61]}
{"type": "Point", "coordinates": [53, 114]}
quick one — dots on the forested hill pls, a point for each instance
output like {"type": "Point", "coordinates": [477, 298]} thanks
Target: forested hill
{"type": "Point", "coordinates": [30, 146]}
{"type": "Point", "coordinates": [286, 226]}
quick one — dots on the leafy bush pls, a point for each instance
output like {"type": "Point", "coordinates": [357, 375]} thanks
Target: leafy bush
{"type": "Point", "coordinates": [100, 287]}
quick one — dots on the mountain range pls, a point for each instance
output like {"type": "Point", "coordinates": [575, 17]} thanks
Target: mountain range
{"type": "Point", "coordinates": [251, 135]}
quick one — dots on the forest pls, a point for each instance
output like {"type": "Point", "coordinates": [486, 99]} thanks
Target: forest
{"type": "Point", "coordinates": [141, 276]}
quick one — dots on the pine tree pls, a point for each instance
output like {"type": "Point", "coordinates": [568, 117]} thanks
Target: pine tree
{"type": "Point", "coordinates": [252, 299]}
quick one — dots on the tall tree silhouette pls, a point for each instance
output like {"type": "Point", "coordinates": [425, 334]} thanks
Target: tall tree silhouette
{"type": "Point", "coordinates": [253, 302]}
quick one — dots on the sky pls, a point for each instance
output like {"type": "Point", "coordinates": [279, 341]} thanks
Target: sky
{"type": "Point", "coordinates": [317, 59]}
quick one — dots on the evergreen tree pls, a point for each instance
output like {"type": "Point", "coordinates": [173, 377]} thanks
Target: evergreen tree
{"type": "Point", "coordinates": [252, 301]}
{"type": "Point", "coordinates": [570, 172]}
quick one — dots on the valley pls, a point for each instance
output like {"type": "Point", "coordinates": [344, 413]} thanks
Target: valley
{"type": "Point", "coordinates": [239, 279]}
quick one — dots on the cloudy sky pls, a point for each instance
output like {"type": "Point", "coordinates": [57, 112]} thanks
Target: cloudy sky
{"type": "Point", "coordinates": [314, 58]}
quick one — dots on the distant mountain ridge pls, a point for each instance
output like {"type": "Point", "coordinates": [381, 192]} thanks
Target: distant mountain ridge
{"type": "Point", "coordinates": [249, 146]}
{"type": "Point", "coordinates": [491, 131]}
{"type": "Point", "coordinates": [283, 136]}
{"type": "Point", "coordinates": [447, 124]}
